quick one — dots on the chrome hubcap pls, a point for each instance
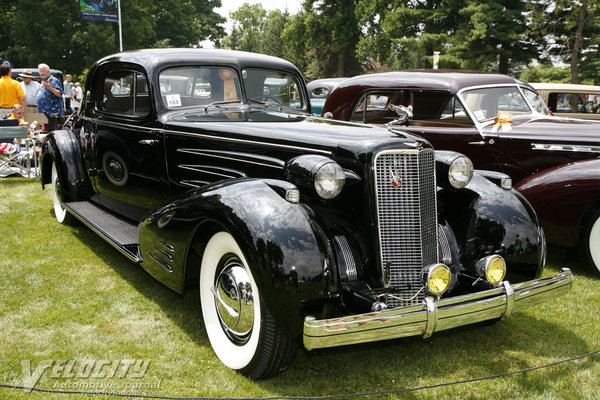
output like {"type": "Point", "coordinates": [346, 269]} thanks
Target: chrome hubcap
{"type": "Point", "coordinates": [234, 299]}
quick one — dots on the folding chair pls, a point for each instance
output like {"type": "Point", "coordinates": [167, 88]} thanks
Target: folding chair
{"type": "Point", "coordinates": [25, 161]}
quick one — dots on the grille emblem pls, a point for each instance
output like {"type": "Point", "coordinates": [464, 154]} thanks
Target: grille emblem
{"type": "Point", "coordinates": [396, 179]}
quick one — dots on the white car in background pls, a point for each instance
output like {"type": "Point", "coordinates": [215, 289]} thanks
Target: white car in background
{"type": "Point", "coordinates": [571, 100]}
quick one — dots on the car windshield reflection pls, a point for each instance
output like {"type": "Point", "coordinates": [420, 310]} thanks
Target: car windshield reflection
{"type": "Point", "coordinates": [486, 103]}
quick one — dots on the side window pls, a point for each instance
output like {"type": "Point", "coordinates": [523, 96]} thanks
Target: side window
{"type": "Point", "coordinates": [125, 93]}
{"type": "Point", "coordinates": [576, 102]}
{"type": "Point", "coordinates": [373, 108]}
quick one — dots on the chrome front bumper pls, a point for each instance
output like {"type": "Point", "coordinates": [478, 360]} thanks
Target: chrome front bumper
{"type": "Point", "coordinates": [433, 316]}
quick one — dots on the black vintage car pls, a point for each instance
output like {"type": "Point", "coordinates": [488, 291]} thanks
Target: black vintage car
{"type": "Point", "coordinates": [207, 166]}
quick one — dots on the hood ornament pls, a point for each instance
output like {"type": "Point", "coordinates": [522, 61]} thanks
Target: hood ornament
{"type": "Point", "coordinates": [405, 114]}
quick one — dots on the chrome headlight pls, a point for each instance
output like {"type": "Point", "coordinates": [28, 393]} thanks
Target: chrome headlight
{"type": "Point", "coordinates": [319, 172]}
{"type": "Point", "coordinates": [453, 170]}
{"type": "Point", "coordinates": [437, 278]}
{"type": "Point", "coordinates": [460, 172]}
{"type": "Point", "coordinates": [329, 180]}
{"type": "Point", "coordinates": [492, 268]}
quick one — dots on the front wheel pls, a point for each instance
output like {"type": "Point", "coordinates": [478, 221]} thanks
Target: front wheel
{"type": "Point", "coordinates": [592, 243]}
{"type": "Point", "coordinates": [241, 331]}
{"type": "Point", "coordinates": [61, 213]}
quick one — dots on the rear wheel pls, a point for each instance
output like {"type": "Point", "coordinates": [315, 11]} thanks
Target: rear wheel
{"type": "Point", "coordinates": [61, 213]}
{"type": "Point", "coordinates": [592, 243]}
{"type": "Point", "coordinates": [241, 331]}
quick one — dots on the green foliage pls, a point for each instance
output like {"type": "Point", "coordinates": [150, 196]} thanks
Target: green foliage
{"type": "Point", "coordinates": [546, 73]}
{"type": "Point", "coordinates": [35, 31]}
{"type": "Point", "coordinates": [248, 27]}
{"type": "Point", "coordinates": [66, 294]}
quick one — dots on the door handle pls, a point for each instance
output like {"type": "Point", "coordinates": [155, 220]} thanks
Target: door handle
{"type": "Point", "coordinates": [148, 141]}
{"type": "Point", "coordinates": [480, 143]}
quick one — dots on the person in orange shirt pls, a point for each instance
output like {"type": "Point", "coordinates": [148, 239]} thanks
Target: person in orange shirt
{"type": "Point", "coordinates": [11, 92]}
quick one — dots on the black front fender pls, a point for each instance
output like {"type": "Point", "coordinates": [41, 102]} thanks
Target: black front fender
{"type": "Point", "coordinates": [284, 247]}
{"type": "Point", "coordinates": [62, 148]}
{"type": "Point", "coordinates": [487, 219]}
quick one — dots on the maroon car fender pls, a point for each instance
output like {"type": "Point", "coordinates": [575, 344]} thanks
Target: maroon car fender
{"type": "Point", "coordinates": [563, 198]}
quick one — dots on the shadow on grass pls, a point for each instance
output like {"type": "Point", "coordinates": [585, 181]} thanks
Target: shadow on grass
{"type": "Point", "coordinates": [518, 342]}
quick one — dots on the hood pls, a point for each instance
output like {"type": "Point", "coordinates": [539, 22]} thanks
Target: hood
{"type": "Point", "coordinates": [548, 128]}
{"type": "Point", "coordinates": [291, 128]}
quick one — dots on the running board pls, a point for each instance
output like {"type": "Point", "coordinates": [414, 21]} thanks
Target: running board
{"type": "Point", "coordinates": [121, 234]}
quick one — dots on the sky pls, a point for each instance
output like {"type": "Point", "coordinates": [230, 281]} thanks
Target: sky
{"type": "Point", "coordinates": [231, 5]}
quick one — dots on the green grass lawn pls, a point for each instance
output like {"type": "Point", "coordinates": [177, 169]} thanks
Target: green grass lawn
{"type": "Point", "coordinates": [67, 295]}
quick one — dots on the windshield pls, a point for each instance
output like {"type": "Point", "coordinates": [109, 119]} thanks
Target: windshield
{"type": "Point", "coordinates": [486, 103]}
{"type": "Point", "coordinates": [199, 86]}
{"type": "Point", "coordinates": [273, 87]}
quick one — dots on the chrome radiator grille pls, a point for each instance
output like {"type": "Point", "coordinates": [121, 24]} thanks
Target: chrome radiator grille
{"type": "Point", "coordinates": [407, 219]}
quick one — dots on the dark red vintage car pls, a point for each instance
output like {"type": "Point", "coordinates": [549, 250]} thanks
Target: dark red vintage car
{"type": "Point", "coordinates": [501, 124]}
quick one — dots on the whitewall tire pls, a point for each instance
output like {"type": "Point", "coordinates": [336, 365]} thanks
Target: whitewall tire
{"type": "Point", "coordinates": [241, 331]}
{"type": "Point", "coordinates": [61, 213]}
{"type": "Point", "coordinates": [592, 243]}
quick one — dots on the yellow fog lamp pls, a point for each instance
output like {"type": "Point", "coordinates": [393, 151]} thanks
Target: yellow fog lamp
{"type": "Point", "coordinates": [437, 278]}
{"type": "Point", "coordinates": [492, 268]}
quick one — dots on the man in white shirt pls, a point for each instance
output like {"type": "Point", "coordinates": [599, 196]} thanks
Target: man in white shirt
{"type": "Point", "coordinates": [30, 87]}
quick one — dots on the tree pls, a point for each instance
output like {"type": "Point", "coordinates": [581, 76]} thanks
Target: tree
{"type": "Point", "coordinates": [322, 38]}
{"type": "Point", "coordinates": [248, 27]}
{"type": "Point", "coordinates": [405, 33]}
{"type": "Point", "coordinates": [492, 35]}
{"type": "Point", "coordinates": [62, 40]}
{"type": "Point", "coordinates": [573, 28]}
{"type": "Point", "coordinates": [272, 38]}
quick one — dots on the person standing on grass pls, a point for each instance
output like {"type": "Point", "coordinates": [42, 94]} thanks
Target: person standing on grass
{"type": "Point", "coordinates": [49, 99]}
{"type": "Point", "coordinates": [67, 94]}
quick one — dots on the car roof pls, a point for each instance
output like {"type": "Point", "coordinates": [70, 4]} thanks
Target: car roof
{"type": "Point", "coordinates": [566, 87]}
{"type": "Point", "coordinates": [34, 71]}
{"type": "Point", "coordinates": [431, 79]}
{"type": "Point", "coordinates": [151, 59]}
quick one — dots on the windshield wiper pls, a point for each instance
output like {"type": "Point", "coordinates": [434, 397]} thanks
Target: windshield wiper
{"type": "Point", "coordinates": [218, 103]}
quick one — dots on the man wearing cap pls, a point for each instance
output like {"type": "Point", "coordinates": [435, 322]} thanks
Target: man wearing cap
{"type": "Point", "coordinates": [30, 87]}
{"type": "Point", "coordinates": [11, 92]}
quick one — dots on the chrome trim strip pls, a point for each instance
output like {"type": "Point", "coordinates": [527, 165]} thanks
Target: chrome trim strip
{"type": "Point", "coordinates": [451, 313]}
{"type": "Point", "coordinates": [205, 136]}
{"type": "Point", "coordinates": [121, 125]}
{"type": "Point", "coordinates": [565, 147]}
{"type": "Point", "coordinates": [164, 253]}
{"type": "Point", "coordinates": [161, 263]}
{"type": "Point", "coordinates": [194, 184]}
{"type": "Point", "coordinates": [168, 246]}
{"type": "Point", "coordinates": [241, 157]}
{"type": "Point", "coordinates": [202, 168]}
{"type": "Point", "coordinates": [251, 142]}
